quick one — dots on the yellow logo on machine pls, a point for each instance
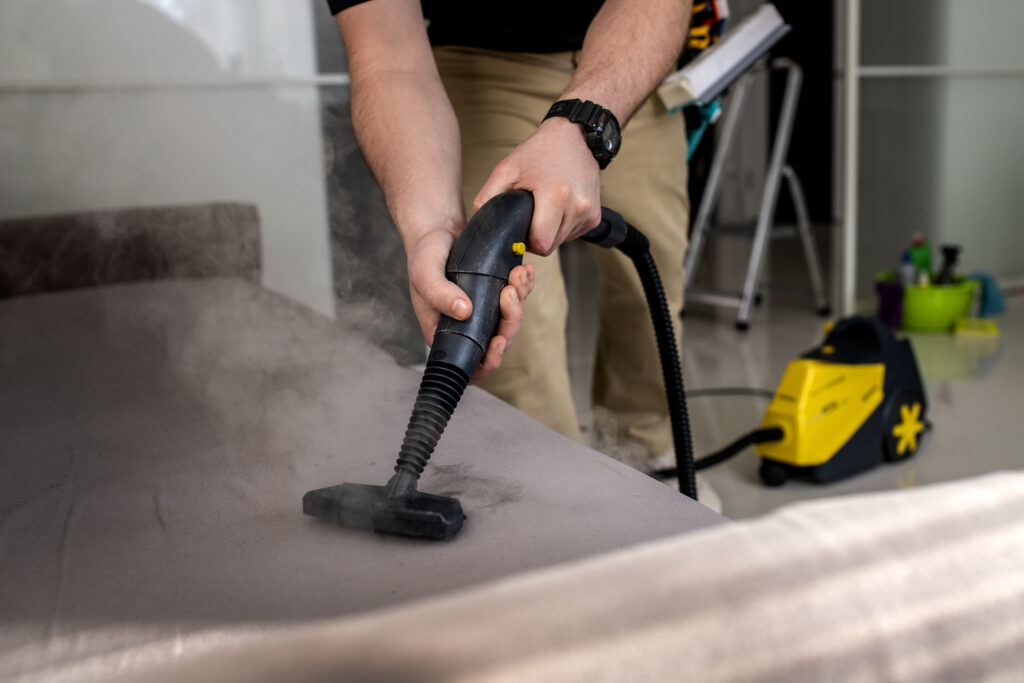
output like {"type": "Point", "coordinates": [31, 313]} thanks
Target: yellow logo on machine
{"type": "Point", "coordinates": [908, 428]}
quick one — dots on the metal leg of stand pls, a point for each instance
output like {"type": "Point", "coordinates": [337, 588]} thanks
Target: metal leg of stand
{"type": "Point", "coordinates": [757, 252]}
{"type": "Point", "coordinates": [803, 224]}
{"type": "Point", "coordinates": [702, 222]}
{"type": "Point", "coordinates": [770, 196]}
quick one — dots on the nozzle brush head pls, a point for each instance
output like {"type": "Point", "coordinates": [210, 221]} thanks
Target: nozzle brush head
{"type": "Point", "coordinates": [423, 515]}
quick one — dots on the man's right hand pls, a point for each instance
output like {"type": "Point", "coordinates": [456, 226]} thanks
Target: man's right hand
{"type": "Point", "coordinates": [433, 294]}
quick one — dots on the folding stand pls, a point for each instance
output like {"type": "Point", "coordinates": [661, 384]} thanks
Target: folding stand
{"type": "Point", "coordinates": [764, 227]}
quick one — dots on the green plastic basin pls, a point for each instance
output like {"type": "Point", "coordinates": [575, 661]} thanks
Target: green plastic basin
{"type": "Point", "coordinates": [936, 308]}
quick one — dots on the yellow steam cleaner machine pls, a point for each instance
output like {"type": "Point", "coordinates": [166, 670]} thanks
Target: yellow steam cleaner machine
{"type": "Point", "coordinates": [841, 408]}
{"type": "Point", "coordinates": [845, 406]}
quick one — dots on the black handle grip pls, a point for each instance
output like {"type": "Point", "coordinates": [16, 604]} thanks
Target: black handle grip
{"type": "Point", "coordinates": [480, 261]}
{"type": "Point", "coordinates": [489, 247]}
{"type": "Point", "coordinates": [610, 232]}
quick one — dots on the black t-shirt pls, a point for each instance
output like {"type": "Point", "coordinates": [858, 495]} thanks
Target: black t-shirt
{"type": "Point", "coordinates": [521, 26]}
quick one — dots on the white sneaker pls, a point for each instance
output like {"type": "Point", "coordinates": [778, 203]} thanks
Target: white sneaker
{"type": "Point", "coordinates": [605, 437]}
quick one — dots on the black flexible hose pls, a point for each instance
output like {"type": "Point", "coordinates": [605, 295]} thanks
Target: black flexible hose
{"type": "Point", "coordinates": [757, 436]}
{"type": "Point", "coordinates": [440, 390]}
{"type": "Point", "coordinates": [637, 248]}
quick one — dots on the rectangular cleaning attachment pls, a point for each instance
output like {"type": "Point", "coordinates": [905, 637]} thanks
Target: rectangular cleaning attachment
{"type": "Point", "coordinates": [369, 507]}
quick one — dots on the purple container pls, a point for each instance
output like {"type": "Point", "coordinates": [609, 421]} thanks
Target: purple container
{"type": "Point", "coordinates": [890, 301]}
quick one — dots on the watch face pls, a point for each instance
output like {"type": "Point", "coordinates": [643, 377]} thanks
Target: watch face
{"type": "Point", "coordinates": [610, 136]}
{"type": "Point", "coordinates": [601, 130]}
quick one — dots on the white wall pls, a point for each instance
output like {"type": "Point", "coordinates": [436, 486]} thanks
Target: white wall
{"type": "Point", "coordinates": [942, 154]}
{"type": "Point", "coordinates": [108, 103]}
{"type": "Point", "coordinates": [983, 137]}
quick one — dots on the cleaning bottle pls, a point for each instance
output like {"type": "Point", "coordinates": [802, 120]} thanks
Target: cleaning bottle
{"type": "Point", "coordinates": [950, 255]}
{"type": "Point", "coordinates": [908, 272]}
{"type": "Point", "coordinates": [921, 256]}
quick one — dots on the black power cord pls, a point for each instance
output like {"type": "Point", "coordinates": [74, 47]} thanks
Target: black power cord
{"type": "Point", "coordinates": [762, 435]}
{"type": "Point", "coordinates": [730, 391]}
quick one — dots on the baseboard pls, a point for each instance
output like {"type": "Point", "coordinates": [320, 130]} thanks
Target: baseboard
{"type": "Point", "coordinates": [1011, 284]}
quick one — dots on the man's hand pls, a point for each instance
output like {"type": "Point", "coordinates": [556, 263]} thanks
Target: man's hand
{"type": "Point", "coordinates": [557, 166]}
{"type": "Point", "coordinates": [629, 47]}
{"type": "Point", "coordinates": [433, 294]}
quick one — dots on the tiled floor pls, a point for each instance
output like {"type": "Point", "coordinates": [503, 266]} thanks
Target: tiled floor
{"type": "Point", "coordinates": [973, 390]}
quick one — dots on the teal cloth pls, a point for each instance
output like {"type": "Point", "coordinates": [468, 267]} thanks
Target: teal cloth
{"type": "Point", "coordinates": [992, 300]}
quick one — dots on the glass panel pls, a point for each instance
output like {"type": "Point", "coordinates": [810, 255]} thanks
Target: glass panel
{"type": "Point", "coordinates": [76, 151]}
{"type": "Point", "coordinates": [160, 39]}
{"type": "Point", "coordinates": [67, 150]}
{"type": "Point", "coordinates": [984, 33]}
{"type": "Point", "coordinates": [982, 191]}
{"type": "Point", "coordinates": [899, 182]}
{"type": "Point", "coordinates": [945, 158]}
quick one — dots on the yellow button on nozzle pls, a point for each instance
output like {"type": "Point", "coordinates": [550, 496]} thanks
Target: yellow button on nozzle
{"type": "Point", "coordinates": [519, 248]}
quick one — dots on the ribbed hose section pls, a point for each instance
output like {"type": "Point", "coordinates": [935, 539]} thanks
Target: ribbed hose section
{"type": "Point", "coordinates": [637, 248]}
{"type": "Point", "coordinates": [440, 391]}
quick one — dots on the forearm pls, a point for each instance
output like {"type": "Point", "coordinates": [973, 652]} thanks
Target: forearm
{"type": "Point", "coordinates": [630, 47]}
{"type": "Point", "coordinates": [402, 117]}
{"type": "Point", "coordinates": [409, 135]}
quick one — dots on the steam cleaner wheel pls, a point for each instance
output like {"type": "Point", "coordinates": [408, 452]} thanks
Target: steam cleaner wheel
{"type": "Point", "coordinates": [773, 473]}
{"type": "Point", "coordinates": [903, 423]}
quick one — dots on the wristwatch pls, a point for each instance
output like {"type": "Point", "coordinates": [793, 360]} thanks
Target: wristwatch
{"type": "Point", "coordinates": [604, 137]}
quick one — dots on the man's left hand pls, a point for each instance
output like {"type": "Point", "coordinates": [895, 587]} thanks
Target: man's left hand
{"type": "Point", "coordinates": [557, 166]}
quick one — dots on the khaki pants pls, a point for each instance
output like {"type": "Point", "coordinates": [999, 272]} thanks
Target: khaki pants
{"type": "Point", "coordinates": [500, 98]}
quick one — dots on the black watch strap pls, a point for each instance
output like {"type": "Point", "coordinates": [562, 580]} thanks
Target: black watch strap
{"type": "Point", "coordinates": [602, 128]}
{"type": "Point", "coordinates": [576, 111]}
